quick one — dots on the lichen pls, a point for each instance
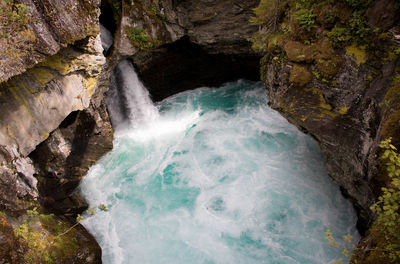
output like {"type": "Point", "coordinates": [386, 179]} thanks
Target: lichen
{"type": "Point", "coordinates": [343, 110]}
{"type": "Point", "coordinates": [56, 63]}
{"type": "Point", "coordinates": [358, 53]}
{"type": "Point", "coordinates": [90, 84]}
{"type": "Point", "coordinates": [41, 76]}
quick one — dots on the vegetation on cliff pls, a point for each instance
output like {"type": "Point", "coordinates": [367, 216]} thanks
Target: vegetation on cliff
{"type": "Point", "coordinates": [16, 35]}
{"type": "Point", "coordinates": [33, 30]}
{"type": "Point", "coordinates": [382, 244]}
{"type": "Point", "coordinates": [41, 237]}
{"type": "Point", "coordinates": [310, 43]}
{"type": "Point", "coordinates": [307, 27]}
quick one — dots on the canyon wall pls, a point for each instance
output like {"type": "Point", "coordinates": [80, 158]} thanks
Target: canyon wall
{"type": "Point", "coordinates": [51, 60]}
{"type": "Point", "coordinates": [332, 69]}
{"type": "Point", "coordinates": [54, 78]}
{"type": "Point", "coordinates": [54, 122]}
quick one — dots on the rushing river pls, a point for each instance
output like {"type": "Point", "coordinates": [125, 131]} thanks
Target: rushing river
{"type": "Point", "coordinates": [212, 176]}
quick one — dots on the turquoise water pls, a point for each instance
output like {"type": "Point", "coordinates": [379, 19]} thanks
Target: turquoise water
{"type": "Point", "coordinates": [218, 177]}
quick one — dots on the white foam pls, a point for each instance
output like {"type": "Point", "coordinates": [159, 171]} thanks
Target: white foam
{"type": "Point", "coordinates": [216, 186]}
{"type": "Point", "coordinates": [106, 38]}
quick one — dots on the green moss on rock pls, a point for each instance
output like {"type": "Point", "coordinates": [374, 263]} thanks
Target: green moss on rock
{"type": "Point", "coordinates": [358, 53]}
{"type": "Point", "coordinates": [300, 75]}
{"type": "Point", "coordinates": [298, 52]}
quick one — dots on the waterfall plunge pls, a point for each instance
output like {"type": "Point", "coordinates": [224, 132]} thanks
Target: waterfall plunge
{"type": "Point", "coordinates": [211, 176]}
{"type": "Point", "coordinates": [128, 101]}
{"type": "Point", "coordinates": [106, 39]}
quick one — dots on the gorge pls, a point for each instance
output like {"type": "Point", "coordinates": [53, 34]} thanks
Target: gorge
{"type": "Point", "coordinates": [212, 176]}
{"type": "Point", "coordinates": [55, 76]}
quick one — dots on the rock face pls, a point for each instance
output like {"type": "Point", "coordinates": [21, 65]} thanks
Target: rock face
{"type": "Point", "coordinates": [190, 43]}
{"type": "Point", "coordinates": [53, 126]}
{"type": "Point", "coordinates": [190, 66]}
{"type": "Point", "coordinates": [33, 30]}
{"type": "Point", "coordinates": [65, 157]}
{"type": "Point", "coordinates": [53, 77]}
{"type": "Point", "coordinates": [344, 119]}
{"type": "Point", "coordinates": [35, 103]}
{"type": "Point", "coordinates": [54, 123]}
{"type": "Point", "coordinates": [337, 94]}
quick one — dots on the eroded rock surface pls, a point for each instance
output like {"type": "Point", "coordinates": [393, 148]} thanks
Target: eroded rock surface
{"type": "Point", "coordinates": [33, 30]}
{"type": "Point", "coordinates": [190, 43]}
{"type": "Point", "coordinates": [336, 91]}
{"type": "Point", "coordinates": [57, 46]}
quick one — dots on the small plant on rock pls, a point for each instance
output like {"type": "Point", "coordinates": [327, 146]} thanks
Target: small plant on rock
{"type": "Point", "coordinates": [387, 207]}
{"type": "Point", "coordinates": [305, 18]}
{"type": "Point", "coordinates": [139, 38]}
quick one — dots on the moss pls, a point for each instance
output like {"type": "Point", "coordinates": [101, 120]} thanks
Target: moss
{"type": "Point", "coordinates": [391, 127]}
{"type": "Point", "coordinates": [343, 110]}
{"type": "Point", "coordinates": [56, 63]}
{"type": "Point", "coordinates": [324, 49]}
{"type": "Point", "coordinates": [322, 53]}
{"type": "Point", "coordinates": [391, 122]}
{"type": "Point", "coordinates": [367, 251]}
{"type": "Point", "coordinates": [358, 53]}
{"type": "Point", "coordinates": [328, 68]}
{"type": "Point", "coordinates": [298, 52]}
{"type": "Point", "coordinates": [392, 97]}
{"type": "Point", "coordinates": [300, 75]}
{"type": "Point", "coordinates": [275, 43]}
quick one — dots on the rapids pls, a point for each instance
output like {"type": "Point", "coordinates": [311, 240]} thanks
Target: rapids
{"type": "Point", "coordinates": [212, 176]}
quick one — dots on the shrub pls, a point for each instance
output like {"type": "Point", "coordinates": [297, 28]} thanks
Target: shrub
{"type": "Point", "coordinates": [387, 207]}
{"type": "Point", "coordinates": [140, 39]}
{"type": "Point", "coordinates": [359, 28]}
{"type": "Point", "coordinates": [340, 36]}
{"type": "Point", "coordinates": [305, 18]}
{"type": "Point", "coordinates": [268, 12]}
{"type": "Point", "coordinates": [358, 31]}
{"type": "Point", "coordinates": [345, 249]}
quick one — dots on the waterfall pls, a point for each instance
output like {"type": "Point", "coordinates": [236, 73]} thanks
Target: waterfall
{"type": "Point", "coordinates": [128, 101]}
{"type": "Point", "coordinates": [218, 177]}
{"type": "Point", "coordinates": [106, 39]}
{"type": "Point", "coordinates": [211, 176]}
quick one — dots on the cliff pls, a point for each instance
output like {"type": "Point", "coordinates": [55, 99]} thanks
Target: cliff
{"type": "Point", "coordinates": [51, 58]}
{"type": "Point", "coordinates": [54, 122]}
{"type": "Point", "coordinates": [331, 73]}
{"type": "Point", "coordinates": [330, 69]}
{"type": "Point", "coordinates": [181, 45]}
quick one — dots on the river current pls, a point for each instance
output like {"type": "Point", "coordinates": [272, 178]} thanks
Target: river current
{"type": "Point", "coordinates": [212, 175]}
